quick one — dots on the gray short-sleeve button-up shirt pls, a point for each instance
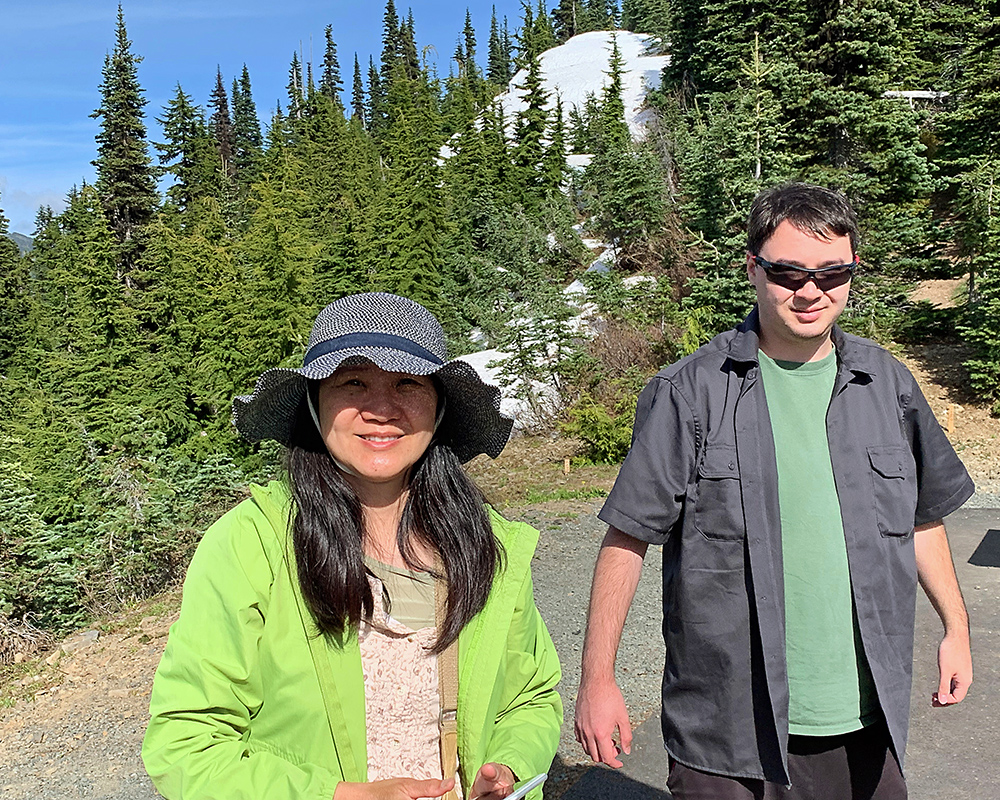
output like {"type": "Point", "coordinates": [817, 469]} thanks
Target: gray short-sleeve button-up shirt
{"type": "Point", "coordinates": [701, 480]}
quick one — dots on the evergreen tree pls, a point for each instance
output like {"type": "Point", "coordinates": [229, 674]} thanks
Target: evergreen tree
{"type": "Point", "coordinates": [358, 94]}
{"type": "Point", "coordinates": [529, 135]}
{"type": "Point", "coordinates": [544, 36]}
{"type": "Point", "coordinates": [408, 48]}
{"type": "Point", "coordinates": [472, 75]}
{"type": "Point", "coordinates": [189, 152]}
{"type": "Point", "coordinates": [413, 221]}
{"type": "Point", "coordinates": [375, 113]}
{"type": "Point", "coordinates": [603, 14]}
{"type": "Point", "coordinates": [247, 139]}
{"type": "Point", "coordinates": [535, 36]}
{"type": "Point", "coordinates": [934, 33]}
{"type": "Point", "coordinates": [125, 176]}
{"type": "Point", "coordinates": [13, 299]}
{"type": "Point", "coordinates": [392, 44]}
{"type": "Point", "coordinates": [278, 254]}
{"type": "Point", "coordinates": [614, 132]}
{"type": "Point", "coordinates": [568, 19]}
{"type": "Point", "coordinates": [222, 128]}
{"type": "Point", "coordinates": [296, 92]}
{"type": "Point", "coordinates": [971, 155]}
{"type": "Point", "coordinates": [330, 82]}
{"type": "Point", "coordinates": [554, 162]}
{"type": "Point", "coordinates": [498, 66]}
{"type": "Point", "coordinates": [646, 16]}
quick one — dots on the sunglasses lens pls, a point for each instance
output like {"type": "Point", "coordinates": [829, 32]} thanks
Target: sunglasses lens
{"type": "Point", "coordinates": [792, 279]}
{"type": "Point", "coordinates": [833, 278]}
{"type": "Point", "coordinates": [795, 279]}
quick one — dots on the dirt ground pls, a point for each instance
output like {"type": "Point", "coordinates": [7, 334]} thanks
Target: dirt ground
{"type": "Point", "coordinates": [71, 722]}
{"type": "Point", "coordinates": [973, 431]}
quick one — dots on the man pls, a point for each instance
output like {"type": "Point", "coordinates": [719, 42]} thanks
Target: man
{"type": "Point", "coordinates": [797, 480]}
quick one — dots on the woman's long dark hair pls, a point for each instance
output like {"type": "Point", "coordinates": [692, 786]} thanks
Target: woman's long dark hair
{"type": "Point", "coordinates": [445, 511]}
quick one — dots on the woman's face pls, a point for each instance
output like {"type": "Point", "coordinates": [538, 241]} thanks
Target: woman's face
{"type": "Point", "coordinates": [377, 424]}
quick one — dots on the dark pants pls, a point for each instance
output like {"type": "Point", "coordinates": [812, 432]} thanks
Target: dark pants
{"type": "Point", "coordinates": [853, 766]}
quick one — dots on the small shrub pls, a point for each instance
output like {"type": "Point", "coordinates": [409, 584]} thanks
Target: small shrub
{"type": "Point", "coordinates": [606, 434]}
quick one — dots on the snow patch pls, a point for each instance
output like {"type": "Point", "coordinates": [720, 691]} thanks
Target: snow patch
{"type": "Point", "coordinates": [579, 67]}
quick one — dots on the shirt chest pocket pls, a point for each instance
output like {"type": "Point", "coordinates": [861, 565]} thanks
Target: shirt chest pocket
{"type": "Point", "coordinates": [894, 485]}
{"type": "Point", "coordinates": [718, 511]}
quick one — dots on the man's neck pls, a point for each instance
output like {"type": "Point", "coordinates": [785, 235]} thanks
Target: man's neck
{"type": "Point", "coordinates": [800, 350]}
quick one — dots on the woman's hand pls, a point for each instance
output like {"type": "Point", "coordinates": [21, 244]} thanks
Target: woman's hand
{"type": "Point", "coordinates": [493, 781]}
{"type": "Point", "coordinates": [394, 789]}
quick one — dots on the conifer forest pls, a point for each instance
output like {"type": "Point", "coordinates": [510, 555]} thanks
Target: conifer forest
{"type": "Point", "coordinates": [211, 238]}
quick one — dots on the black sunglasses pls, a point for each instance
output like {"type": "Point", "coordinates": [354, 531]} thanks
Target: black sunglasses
{"type": "Point", "coordinates": [794, 278]}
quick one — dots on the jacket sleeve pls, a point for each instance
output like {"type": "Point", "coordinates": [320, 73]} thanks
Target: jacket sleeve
{"type": "Point", "coordinates": [208, 686]}
{"type": "Point", "coordinates": [530, 713]}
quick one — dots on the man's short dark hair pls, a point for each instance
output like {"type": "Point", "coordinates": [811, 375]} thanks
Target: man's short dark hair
{"type": "Point", "coordinates": [812, 209]}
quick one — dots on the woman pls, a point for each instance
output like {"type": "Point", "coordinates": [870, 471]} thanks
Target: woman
{"type": "Point", "coordinates": [333, 623]}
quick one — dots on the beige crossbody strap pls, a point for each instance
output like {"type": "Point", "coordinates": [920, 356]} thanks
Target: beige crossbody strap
{"type": "Point", "coordinates": [447, 664]}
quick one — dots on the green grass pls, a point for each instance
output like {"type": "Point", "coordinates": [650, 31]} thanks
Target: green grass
{"type": "Point", "coordinates": [548, 495]}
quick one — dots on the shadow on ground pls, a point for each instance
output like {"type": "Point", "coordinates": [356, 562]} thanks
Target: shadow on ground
{"type": "Point", "coordinates": [987, 554]}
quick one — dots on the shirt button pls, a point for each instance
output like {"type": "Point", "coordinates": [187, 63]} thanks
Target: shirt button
{"type": "Point", "coordinates": [732, 465]}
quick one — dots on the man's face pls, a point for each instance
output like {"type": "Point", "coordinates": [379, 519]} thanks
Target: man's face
{"type": "Point", "coordinates": [795, 325]}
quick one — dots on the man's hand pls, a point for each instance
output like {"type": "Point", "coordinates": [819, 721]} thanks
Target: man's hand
{"type": "Point", "coordinates": [936, 572]}
{"type": "Point", "coordinates": [600, 709]}
{"type": "Point", "coordinates": [955, 670]}
{"type": "Point", "coordinates": [493, 781]}
{"type": "Point", "coordinates": [394, 789]}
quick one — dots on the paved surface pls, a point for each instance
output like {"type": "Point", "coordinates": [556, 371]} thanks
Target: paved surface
{"type": "Point", "coordinates": [952, 752]}
{"type": "Point", "coordinates": [93, 752]}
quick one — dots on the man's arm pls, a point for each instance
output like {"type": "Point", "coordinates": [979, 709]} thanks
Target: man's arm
{"type": "Point", "coordinates": [600, 707]}
{"type": "Point", "coordinates": [936, 572]}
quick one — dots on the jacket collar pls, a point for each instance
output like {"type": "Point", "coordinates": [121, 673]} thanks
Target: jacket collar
{"type": "Point", "coordinates": [854, 353]}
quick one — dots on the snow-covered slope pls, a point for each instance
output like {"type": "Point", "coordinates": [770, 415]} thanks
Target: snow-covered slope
{"type": "Point", "coordinates": [571, 72]}
{"type": "Point", "coordinates": [581, 65]}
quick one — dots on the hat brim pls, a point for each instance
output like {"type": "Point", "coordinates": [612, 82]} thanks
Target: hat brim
{"type": "Point", "coordinates": [472, 422]}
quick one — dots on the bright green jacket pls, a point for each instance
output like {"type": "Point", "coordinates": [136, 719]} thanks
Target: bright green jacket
{"type": "Point", "coordinates": [237, 709]}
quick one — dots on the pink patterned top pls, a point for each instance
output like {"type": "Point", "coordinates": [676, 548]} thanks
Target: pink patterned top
{"type": "Point", "coordinates": [402, 705]}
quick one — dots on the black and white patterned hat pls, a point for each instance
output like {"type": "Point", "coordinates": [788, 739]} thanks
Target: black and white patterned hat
{"type": "Point", "coordinates": [397, 335]}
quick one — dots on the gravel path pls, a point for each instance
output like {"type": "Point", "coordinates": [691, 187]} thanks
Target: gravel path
{"type": "Point", "coordinates": [80, 737]}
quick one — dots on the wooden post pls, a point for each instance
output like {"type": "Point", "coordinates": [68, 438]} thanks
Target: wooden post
{"type": "Point", "coordinates": [565, 466]}
{"type": "Point", "coordinates": [951, 419]}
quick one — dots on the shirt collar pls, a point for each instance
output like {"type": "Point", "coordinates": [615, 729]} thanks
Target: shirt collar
{"type": "Point", "coordinates": [851, 352]}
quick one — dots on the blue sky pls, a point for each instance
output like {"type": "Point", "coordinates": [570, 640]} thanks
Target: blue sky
{"type": "Point", "coordinates": [53, 53]}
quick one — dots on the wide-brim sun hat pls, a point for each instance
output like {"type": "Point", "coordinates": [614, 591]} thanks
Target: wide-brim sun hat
{"type": "Point", "coordinates": [397, 335]}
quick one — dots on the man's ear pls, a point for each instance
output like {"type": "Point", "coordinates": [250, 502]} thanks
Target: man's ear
{"type": "Point", "coordinates": [751, 267]}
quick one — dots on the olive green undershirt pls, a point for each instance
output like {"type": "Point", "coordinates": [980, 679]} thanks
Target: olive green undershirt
{"type": "Point", "coordinates": [829, 682]}
{"type": "Point", "coordinates": [411, 593]}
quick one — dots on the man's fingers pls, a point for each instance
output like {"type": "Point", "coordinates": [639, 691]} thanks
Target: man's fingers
{"type": "Point", "coordinates": [625, 734]}
{"type": "Point", "coordinates": [590, 747]}
{"type": "Point", "coordinates": [944, 691]}
{"type": "Point", "coordinates": [601, 748]}
{"type": "Point", "coordinates": [608, 752]}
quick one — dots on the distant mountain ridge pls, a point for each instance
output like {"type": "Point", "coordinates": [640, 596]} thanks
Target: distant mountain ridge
{"type": "Point", "coordinates": [24, 243]}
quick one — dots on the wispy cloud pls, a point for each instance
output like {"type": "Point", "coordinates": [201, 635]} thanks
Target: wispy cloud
{"type": "Point", "coordinates": [21, 205]}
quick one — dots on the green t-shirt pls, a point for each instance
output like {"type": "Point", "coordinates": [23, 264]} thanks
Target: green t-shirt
{"type": "Point", "coordinates": [829, 682]}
